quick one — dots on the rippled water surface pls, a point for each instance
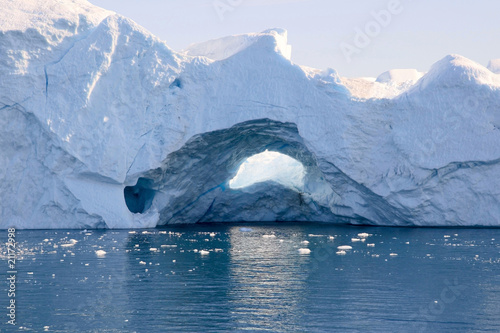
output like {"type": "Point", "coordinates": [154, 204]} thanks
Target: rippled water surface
{"type": "Point", "coordinates": [212, 278]}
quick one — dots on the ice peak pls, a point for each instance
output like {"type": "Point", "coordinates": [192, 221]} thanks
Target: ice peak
{"type": "Point", "coordinates": [455, 70]}
{"type": "Point", "coordinates": [222, 48]}
{"type": "Point", "coordinates": [49, 15]}
{"type": "Point", "coordinates": [494, 66]}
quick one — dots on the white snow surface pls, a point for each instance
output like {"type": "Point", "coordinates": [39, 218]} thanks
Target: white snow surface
{"type": "Point", "coordinates": [90, 102]}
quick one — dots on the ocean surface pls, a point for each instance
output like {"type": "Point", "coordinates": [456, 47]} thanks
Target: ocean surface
{"type": "Point", "coordinates": [280, 277]}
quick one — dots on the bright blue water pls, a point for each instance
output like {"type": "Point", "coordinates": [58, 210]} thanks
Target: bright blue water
{"type": "Point", "coordinates": [442, 280]}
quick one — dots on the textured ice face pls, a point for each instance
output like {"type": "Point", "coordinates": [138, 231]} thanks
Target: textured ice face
{"type": "Point", "coordinates": [270, 166]}
{"type": "Point", "coordinates": [90, 103]}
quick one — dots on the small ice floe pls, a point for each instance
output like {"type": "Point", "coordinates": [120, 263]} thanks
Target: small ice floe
{"type": "Point", "coordinates": [331, 237]}
{"type": "Point", "coordinates": [218, 250]}
{"type": "Point", "coordinates": [313, 235]}
{"type": "Point", "coordinates": [370, 245]}
{"type": "Point", "coordinates": [341, 252]}
{"type": "Point", "coordinates": [153, 249]}
{"type": "Point", "coordinates": [363, 235]}
{"type": "Point", "coordinates": [46, 328]}
{"type": "Point", "coordinates": [304, 251]}
{"type": "Point", "coordinates": [305, 242]}
{"type": "Point", "coordinates": [100, 253]}
{"type": "Point", "coordinates": [268, 236]}
{"type": "Point", "coordinates": [407, 243]}
{"type": "Point", "coordinates": [212, 234]}
{"type": "Point", "coordinates": [344, 247]}
{"type": "Point", "coordinates": [355, 239]}
{"type": "Point", "coordinates": [446, 236]}
{"type": "Point", "coordinates": [142, 263]}
{"type": "Point", "coordinates": [46, 240]}
{"type": "Point", "coordinates": [67, 245]}
{"type": "Point", "coordinates": [30, 273]}
{"type": "Point", "coordinates": [204, 252]}
{"type": "Point", "coordinates": [166, 245]}
{"type": "Point", "coordinates": [393, 254]}
{"type": "Point", "coordinates": [73, 241]}
{"type": "Point", "coordinates": [131, 232]}
{"type": "Point", "coordinates": [245, 229]}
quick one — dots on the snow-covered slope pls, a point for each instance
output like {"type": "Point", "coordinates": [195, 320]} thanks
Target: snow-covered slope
{"type": "Point", "coordinates": [102, 125]}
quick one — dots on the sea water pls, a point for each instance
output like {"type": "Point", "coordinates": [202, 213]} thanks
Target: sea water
{"type": "Point", "coordinates": [294, 277]}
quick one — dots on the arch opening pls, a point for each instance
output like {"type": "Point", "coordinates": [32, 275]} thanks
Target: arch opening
{"type": "Point", "coordinates": [269, 166]}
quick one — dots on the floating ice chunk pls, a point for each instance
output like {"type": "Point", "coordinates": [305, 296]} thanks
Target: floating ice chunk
{"type": "Point", "coordinates": [363, 235]}
{"type": "Point", "coordinates": [153, 249]}
{"type": "Point", "coordinates": [245, 229]}
{"type": "Point", "coordinates": [204, 252]}
{"type": "Point", "coordinates": [341, 252]}
{"type": "Point", "coordinates": [268, 236]}
{"type": "Point", "coordinates": [212, 234]}
{"type": "Point", "coordinates": [355, 239]}
{"type": "Point", "coordinates": [393, 254]}
{"type": "Point", "coordinates": [73, 241]}
{"type": "Point", "coordinates": [100, 253]}
{"type": "Point", "coordinates": [370, 245]}
{"type": "Point", "coordinates": [304, 251]}
{"type": "Point", "coordinates": [344, 247]}
{"type": "Point", "coordinates": [67, 245]}
{"type": "Point", "coordinates": [142, 263]}
{"type": "Point", "coordinates": [331, 237]}
{"type": "Point", "coordinates": [305, 242]}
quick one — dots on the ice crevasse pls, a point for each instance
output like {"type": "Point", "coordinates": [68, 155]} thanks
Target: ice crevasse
{"type": "Point", "coordinates": [103, 125]}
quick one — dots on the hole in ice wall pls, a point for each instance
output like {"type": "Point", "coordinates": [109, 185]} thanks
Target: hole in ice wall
{"type": "Point", "coordinates": [176, 83]}
{"type": "Point", "coordinates": [270, 166]}
{"type": "Point", "coordinates": [140, 196]}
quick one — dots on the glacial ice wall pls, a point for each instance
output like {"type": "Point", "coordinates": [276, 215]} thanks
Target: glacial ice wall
{"type": "Point", "coordinates": [103, 125]}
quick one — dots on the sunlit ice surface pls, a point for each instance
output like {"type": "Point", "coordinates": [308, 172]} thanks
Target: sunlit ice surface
{"type": "Point", "coordinates": [269, 166]}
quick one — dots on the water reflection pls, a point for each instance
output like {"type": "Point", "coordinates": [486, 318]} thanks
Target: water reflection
{"type": "Point", "coordinates": [232, 278]}
{"type": "Point", "coordinates": [267, 279]}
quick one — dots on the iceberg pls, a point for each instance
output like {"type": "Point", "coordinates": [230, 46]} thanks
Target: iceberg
{"type": "Point", "coordinates": [104, 126]}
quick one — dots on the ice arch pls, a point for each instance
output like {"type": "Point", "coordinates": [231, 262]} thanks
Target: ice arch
{"type": "Point", "coordinates": [270, 166]}
{"type": "Point", "coordinates": [219, 176]}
